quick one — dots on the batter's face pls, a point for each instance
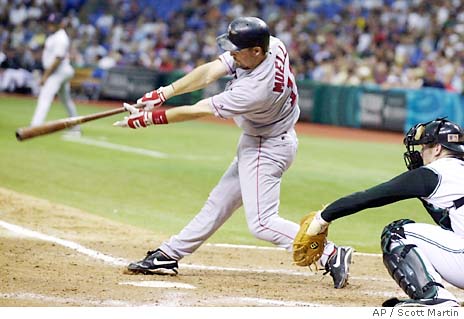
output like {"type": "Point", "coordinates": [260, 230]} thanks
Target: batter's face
{"type": "Point", "coordinates": [248, 58]}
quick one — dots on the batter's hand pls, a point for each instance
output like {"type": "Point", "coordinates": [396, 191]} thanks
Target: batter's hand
{"type": "Point", "coordinates": [153, 99]}
{"type": "Point", "coordinates": [136, 118]}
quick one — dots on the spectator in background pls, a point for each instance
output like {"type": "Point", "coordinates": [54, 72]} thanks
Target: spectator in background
{"type": "Point", "coordinates": [17, 13]}
{"type": "Point", "coordinates": [430, 77]}
{"type": "Point", "coordinates": [450, 82]}
{"type": "Point", "coordinates": [329, 41]}
{"type": "Point", "coordinates": [109, 61]}
{"type": "Point", "coordinates": [164, 62]}
{"type": "Point", "coordinates": [93, 52]}
{"type": "Point", "coordinates": [15, 76]}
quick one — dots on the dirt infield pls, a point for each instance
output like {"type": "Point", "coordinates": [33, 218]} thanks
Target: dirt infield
{"type": "Point", "coordinates": [61, 263]}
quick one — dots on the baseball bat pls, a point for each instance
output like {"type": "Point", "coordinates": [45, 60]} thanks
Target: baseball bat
{"type": "Point", "coordinates": [25, 133]}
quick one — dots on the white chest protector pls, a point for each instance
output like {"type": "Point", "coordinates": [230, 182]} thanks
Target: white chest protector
{"type": "Point", "coordinates": [449, 193]}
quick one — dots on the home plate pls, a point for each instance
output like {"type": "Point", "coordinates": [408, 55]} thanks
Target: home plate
{"type": "Point", "coordinates": [158, 284]}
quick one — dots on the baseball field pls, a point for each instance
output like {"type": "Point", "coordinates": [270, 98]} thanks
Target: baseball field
{"type": "Point", "coordinates": [74, 212]}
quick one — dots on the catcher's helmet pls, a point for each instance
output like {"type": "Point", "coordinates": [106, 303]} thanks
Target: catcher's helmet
{"type": "Point", "coordinates": [245, 32]}
{"type": "Point", "coordinates": [439, 131]}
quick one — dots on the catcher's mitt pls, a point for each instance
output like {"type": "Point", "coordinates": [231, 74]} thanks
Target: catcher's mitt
{"type": "Point", "coordinates": [308, 249]}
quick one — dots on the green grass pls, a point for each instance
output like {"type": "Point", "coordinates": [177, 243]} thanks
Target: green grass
{"type": "Point", "coordinates": [164, 194]}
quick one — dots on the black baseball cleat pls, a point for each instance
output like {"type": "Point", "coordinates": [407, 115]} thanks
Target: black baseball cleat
{"type": "Point", "coordinates": [338, 266]}
{"type": "Point", "coordinates": [433, 302]}
{"type": "Point", "coordinates": [155, 263]}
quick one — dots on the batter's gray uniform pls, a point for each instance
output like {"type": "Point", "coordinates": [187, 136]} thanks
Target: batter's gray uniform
{"type": "Point", "coordinates": [264, 103]}
{"type": "Point", "coordinates": [56, 45]}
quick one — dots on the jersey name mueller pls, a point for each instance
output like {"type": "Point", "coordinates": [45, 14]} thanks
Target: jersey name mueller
{"type": "Point", "coordinates": [56, 45]}
{"type": "Point", "coordinates": [262, 101]}
{"type": "Point", "coordinates": [450, 188]}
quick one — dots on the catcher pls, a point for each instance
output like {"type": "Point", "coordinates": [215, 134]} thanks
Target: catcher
{"type": "Point", "coordinates": [418, 256]}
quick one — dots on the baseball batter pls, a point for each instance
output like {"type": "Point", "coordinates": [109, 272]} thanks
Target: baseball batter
{"type": "Point", "coordinates": [57, 72]}
{"type": "Point", "coordinates": [262, 98]}
{"type": "Point", "coordinates": [420, 256]}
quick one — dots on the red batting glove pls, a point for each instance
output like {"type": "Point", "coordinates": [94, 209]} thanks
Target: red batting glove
{"type": "Point", "coordinates": [138, 119]}
{"type": "Point", "coordinates": [152, 99]}
{"type": "Point", "coordinates": [144, 119]}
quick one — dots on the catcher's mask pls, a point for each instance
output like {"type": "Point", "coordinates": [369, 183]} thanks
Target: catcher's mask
{"type": "Point", "coordinates": [439, 131]}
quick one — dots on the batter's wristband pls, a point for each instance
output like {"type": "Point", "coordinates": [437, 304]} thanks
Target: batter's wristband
{"type": "Point", "coordinates": [159, 117]}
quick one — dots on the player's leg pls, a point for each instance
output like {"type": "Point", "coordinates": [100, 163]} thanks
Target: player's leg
{"type": "Point", "coordinates": [224, 199]}
{"type": "Point", "coordinates": [417, 256]}
{"type": "Point", "coordinates": [262, 161]}
{"type": "Point", "coordinates": [261, 166]}
{"type": "Point", "coordinates": [65, 96]}
{"type": "Point", "coordinates": [45, 99]}
{"type": "Point", "coordinates": [444, 249]}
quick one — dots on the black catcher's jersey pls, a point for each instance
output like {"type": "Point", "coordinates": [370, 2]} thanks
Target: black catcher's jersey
{"type": "Point", "coordinates": [439, 185]}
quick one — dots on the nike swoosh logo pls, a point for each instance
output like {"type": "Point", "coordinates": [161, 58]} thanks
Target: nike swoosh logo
{"type": "Point", "coordinates": [157, 262]}
{"type": "Point", "coordinates": [338, 260]}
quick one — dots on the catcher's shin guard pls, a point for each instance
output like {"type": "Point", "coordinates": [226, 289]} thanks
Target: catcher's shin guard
{"type": "Point", "coordinates": [405, 265]}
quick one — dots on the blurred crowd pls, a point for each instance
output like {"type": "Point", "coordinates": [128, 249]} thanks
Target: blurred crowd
{"type": "Point", "coordinates": [389, 43]}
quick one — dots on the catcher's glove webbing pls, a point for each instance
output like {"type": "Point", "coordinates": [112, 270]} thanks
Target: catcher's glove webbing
{"type": "Point", "coordinates": [308, 249]}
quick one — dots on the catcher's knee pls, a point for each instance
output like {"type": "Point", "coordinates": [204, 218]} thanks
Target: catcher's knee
{"type": "Point", "coordinates": [404, 263]}
{"type": "Point", "coordinates": [393, 232]}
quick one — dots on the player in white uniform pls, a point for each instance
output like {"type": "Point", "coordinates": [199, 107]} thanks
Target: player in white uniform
{"type": "Point", "coordinates": [420, 256]}
{"type": "Point", "coordinates": [262, 98]}
{"type": "Point", "coordinates": [57, 73]}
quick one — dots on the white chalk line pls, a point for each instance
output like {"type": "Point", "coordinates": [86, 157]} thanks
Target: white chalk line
{"type": "Point", "coordinates": [118, 262]}
{"type": "Point", "coordinates": [169, 300]}
{"type": "Point", "coordinates": [65, 243]}
{"type": "Point", "coordinates": [269, 302]}
{"type": "Point", "coordinates": [63, 300]}
{"type": "Point", "coordinates": [121, 262]}
{"type": "Point", "coordinates": [274, 248]}
{"type": "Point", "coordinates": [134, 150]}
{"type": "Point", "coordinates": [158, 284]}
{"type": "Point", "coordinates": [288, 272]}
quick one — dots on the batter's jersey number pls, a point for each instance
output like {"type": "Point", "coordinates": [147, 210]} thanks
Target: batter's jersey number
{"type": "Point", "coordinates": [279, 78]}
